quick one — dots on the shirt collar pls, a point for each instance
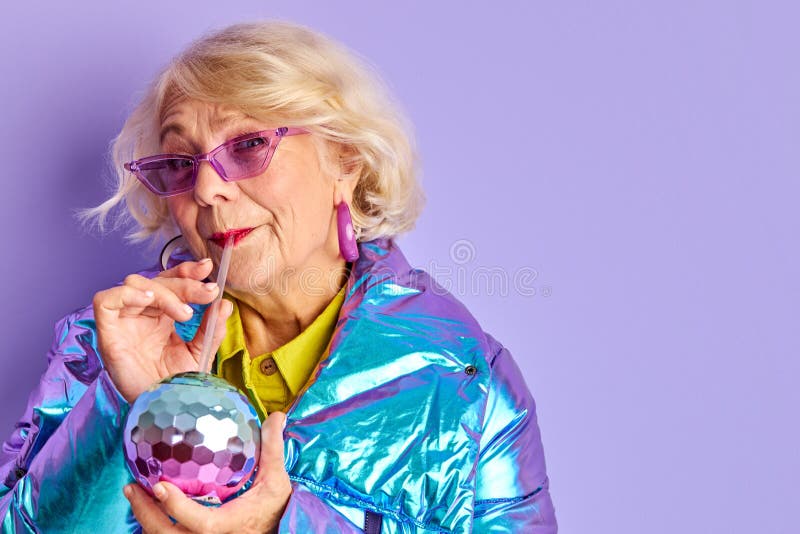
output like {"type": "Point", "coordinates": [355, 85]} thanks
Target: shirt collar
{"type": "Point", "coordinates": [297, 358]}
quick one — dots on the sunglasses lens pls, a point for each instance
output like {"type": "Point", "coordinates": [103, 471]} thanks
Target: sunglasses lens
{"type": "Point", "coordinates": [168, 175]}
{"type": "Point", "coordinates": [245, 158]}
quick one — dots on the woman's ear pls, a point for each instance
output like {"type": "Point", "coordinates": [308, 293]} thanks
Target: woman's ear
{"type": "Point", "coordinates": [350, 162]}
{"type": "Point", "coordinates": [350, 167]}
{"type": "Point", "coordinates": [343, 189]}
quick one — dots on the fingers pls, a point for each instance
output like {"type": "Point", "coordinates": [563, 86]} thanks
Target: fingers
{"type": "Point", "coordinates": [270, 463]}
{"type": "Point", "coordinates": [192, 516]}
{"type": "Point", "coordinates": [167, 294]}
{"type": "Point", "coordinates": [116, 299]}
{"type": "Point", "coordinates": [148, 512]}
{"type": "Point", "coordinates": [172, 295]}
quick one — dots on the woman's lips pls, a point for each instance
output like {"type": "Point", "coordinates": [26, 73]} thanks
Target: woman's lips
{"type": "Point", "coordinates": [220, 238]}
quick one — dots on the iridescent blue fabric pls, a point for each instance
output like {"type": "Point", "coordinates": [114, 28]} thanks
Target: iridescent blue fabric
{"type": "Point", "coordinates": [416, 414]}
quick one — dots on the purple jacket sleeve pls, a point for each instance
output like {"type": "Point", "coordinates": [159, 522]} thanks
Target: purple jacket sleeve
{"type": "Point", "coordinates": [62, 468]}
{"type": "Point", "coordinates": [512, 486]}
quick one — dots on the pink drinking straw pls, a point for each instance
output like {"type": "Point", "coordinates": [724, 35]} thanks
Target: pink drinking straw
{"type": "Point", "coordinates": [205, 356]}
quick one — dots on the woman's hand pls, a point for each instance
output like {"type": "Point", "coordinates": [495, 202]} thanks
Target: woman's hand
{"type": "Point", "coordinates": [259, 509]}
{"type": "Point", "coordinates": [135, 326]}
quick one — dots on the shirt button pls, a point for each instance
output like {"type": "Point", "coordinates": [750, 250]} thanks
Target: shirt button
{"type": "Point", "coordinates": [268, 366]}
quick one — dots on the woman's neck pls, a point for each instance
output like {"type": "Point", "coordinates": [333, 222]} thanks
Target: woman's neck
{"type": "Point", "coordinates": [275, 318]}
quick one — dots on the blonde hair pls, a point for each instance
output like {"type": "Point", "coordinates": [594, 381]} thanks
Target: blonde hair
{"type": "Point", "coordinates": [278, 71]}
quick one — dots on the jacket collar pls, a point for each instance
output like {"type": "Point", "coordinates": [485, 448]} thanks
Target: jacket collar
{"type": "Point", "coordinates": [391, 420]}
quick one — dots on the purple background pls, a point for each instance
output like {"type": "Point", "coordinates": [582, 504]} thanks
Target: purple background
{"type": "Point", "coordinates": [643, 160]}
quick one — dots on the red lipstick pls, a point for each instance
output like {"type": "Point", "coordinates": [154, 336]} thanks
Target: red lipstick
{"type": "Point", "coordinates": [238, 234]}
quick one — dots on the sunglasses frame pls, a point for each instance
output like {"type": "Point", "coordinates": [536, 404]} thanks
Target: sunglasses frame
{"type": "Point", "coordinates": [274, 137]}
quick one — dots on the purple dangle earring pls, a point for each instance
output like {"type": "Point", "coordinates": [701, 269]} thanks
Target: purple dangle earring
{"type": "Point", "coordinates": [347, 235]}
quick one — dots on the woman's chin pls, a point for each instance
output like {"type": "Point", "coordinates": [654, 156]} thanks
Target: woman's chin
{"type": "Point", "coordinates": [249, 275]}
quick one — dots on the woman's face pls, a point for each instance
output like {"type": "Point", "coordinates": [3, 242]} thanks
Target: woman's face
{"type": "Point", "coordinates": [290, 206]}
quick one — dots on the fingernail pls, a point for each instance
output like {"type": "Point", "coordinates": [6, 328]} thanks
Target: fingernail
{"type": "Point", "coordinates": [204, 260]}
{"type": "Point", "coordinates": [127, 491]}
{"type": "Point", "coordinates": [149, 294]}
{"type": "Point", "coordinates": [211, 286]}
{"type": "Point", "coordinates": [188, 309]}
{"type": "Point", "coordinates": [159, 491]}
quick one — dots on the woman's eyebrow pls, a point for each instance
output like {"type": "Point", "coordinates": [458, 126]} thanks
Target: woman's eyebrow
{"type": "Point", "coordinates": [172, 127]}
{"type": "Point", "coordinates": [223, 123]}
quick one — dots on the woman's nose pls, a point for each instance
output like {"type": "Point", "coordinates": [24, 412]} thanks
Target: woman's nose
{"type": "Point", "coordinates": [210, 188]}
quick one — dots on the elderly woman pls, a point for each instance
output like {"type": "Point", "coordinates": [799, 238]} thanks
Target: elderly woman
{"type": "Point", "coordinates": [401, 413]}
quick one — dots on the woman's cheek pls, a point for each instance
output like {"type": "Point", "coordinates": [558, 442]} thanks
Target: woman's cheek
{"type": "Point", "coordinates": [185, 219]}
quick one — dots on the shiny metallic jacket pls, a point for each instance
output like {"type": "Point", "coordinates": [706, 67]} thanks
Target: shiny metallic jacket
{"type": "Point", "coordinates": [417, 421]}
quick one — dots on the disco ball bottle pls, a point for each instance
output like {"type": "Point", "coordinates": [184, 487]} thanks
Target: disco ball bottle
{"type": "Point", "coordinates": [196, 431]}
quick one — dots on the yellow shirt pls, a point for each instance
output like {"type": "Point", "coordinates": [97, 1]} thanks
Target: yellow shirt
{"type": "Point", "coordinates": [272, 380]}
